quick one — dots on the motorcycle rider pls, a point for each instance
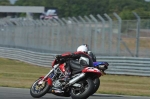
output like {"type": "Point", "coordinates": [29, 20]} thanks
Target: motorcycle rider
{"type": "Point", "coordinates": [75, 65]}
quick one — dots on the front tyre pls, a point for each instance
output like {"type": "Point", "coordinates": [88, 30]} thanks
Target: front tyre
{"type": "Point", "coordinates": [84, 91]}
{"type": "Point", "coordinates": [39, 90]}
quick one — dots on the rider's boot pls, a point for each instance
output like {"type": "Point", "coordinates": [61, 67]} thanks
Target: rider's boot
{"type": "Point", "coordinates": [67, 76]}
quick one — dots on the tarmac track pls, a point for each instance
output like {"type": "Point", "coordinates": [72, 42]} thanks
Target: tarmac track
{"type": "Point", "coordinates": [18, 93]}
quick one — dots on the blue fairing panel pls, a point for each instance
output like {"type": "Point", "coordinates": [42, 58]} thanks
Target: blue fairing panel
{"type": "Point", "coordinates": [98, 63]}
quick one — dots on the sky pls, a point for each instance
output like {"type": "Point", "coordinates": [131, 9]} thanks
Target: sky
{"type": "Point", "coordinates": [12, 1]}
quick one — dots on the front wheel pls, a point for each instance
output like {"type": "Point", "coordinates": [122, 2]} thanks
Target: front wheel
{"type": "Point", "coordinates": [39, 90]}
{"type": "Point", "coordinates": [83, 92]}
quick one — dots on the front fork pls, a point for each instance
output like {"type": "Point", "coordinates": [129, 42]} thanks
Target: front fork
{"type": "Point", "coordinates": [46, 76]}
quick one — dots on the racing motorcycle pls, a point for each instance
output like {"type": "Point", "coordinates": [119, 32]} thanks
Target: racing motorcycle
{"type": "Point", "coordinates": [79, 86]}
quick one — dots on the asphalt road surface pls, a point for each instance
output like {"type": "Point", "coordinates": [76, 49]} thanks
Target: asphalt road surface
{"type": "Point", "coordinates": [18, 93]}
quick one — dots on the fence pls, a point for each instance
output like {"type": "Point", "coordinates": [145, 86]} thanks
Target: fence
{"type": "Point", "coordinates": [124, 44]}
{"type": "Point", "coordinates": [118, 65]}
{"type": "Point", "coordinates": [105, 36]}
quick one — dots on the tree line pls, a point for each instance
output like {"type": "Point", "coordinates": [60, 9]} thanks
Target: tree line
{"type": "Point", "coordinates": [69, 8]}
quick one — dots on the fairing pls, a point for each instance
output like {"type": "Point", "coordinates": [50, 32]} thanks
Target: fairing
{"type": "Point", "coordinates": [49, 81]}
{"type": "Point", "coordinates": [62, 67]}
{"type": "Point", "coordinates": [99, 63]}
{"type": "Point", "coordinates": [92, 70]}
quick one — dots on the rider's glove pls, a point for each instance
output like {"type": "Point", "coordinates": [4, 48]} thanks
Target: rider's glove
{"type": "Point", "coordinates": [58, 56]}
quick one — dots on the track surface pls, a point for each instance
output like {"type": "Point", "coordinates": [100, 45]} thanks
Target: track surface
{"type": "Point", "coordinates": [18, 93]}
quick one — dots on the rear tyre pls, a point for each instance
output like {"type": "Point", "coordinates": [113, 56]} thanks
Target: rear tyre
{"type": "Point", "coordinates": [39, 90]}
{"type": "Point", "coordinates": [84, 91]}
{"type": "Point", "coordinates": [96, 82]}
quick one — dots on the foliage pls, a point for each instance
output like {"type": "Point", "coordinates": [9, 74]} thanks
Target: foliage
{"type": "Point", "coordinates": [4, 2]}
{"type": "Point", "coordinates": [69, 8]}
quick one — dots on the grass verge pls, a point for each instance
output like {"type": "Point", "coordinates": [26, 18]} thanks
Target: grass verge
{"type": "Point", "coordinates": [21, 75]}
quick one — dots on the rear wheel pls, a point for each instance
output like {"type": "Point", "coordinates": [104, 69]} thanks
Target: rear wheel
{"type": "Point", "coordinates": [96, 82]}
{"type": "Point", "coordinates": [84, 91]}
{"type": "Point", "coordinates": [39, 90]}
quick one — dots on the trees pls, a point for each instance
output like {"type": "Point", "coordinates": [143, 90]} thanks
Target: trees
{"type": "Point", "coordinates": [4, 2]}
{"type": "Point", "coordinates": [69, 8]}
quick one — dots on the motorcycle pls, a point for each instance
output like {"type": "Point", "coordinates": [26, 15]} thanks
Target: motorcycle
{"type": "Point", "coordinates": [80, 85]}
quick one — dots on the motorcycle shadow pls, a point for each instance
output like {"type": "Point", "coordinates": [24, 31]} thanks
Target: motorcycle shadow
{"type": "Point", "coordinates": [105, 95]}
{"type": "Point", "coordinates": [54, 97]}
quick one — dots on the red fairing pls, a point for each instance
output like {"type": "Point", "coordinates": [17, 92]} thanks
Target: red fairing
{"type": "Point", "coordinates": [62, 67]}
{"type": "Point", "coordinates": [65, 54]}
{"type": "Point", "coordinates": [49, 81]}
{"type": "Point", "coordinates": [92, 70]}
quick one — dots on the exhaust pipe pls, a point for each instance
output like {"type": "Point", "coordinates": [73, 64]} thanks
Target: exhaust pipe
{"type": "Point", "coordinates": [74, 80]}
{"type": "Point", "coordinates": [57, 91]}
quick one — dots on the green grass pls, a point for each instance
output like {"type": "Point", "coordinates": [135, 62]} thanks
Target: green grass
{"type": "Point", "coordinates": [125, 85]}
{"type": "Point", "coordinates": [21, 75]}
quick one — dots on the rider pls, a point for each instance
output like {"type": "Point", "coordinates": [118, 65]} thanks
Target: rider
{"type": "Point", "coordinates": [80, 59]}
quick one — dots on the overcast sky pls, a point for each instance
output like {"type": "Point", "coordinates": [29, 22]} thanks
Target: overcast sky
{"type": "Point", "coordinates": [12, 1]}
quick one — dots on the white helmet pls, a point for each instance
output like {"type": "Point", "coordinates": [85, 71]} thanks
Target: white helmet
{"type": "Point", "coordinates": [82, 48]}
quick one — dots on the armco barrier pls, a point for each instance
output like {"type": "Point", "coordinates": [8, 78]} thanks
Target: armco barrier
{"type": "Point", "coordinates": [127, 65]}
{"type": "Point", "coordinates": [118, 65]}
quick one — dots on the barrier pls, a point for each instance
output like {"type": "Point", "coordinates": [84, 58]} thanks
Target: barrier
{"type": "Point", "coordinates": [117, 65]}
